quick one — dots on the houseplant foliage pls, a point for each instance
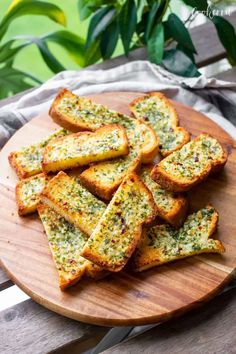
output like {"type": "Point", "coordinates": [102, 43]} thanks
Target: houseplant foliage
{"type": "Point", "coordinates": [13, 80]}
{"type": "Point", "coordinates": [134, 23]}
{"type": "Point", "coordinates": [151, 23]}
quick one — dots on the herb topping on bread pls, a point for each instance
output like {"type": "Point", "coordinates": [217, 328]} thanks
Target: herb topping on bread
{"type": "Point", "coordinates": [86, 147]}
{"type": "Point", "coordinates": [28, 161]}
{"type": "Point", "coordinates": [158, 111]}
{"type": "Point", "coordinates": [28, 193]}
{"type": "Point", "coordinates": [72, 201]}
{"type": "Point", "coordinates": [191, 164]}
{"type": "Point", "coordinates": [162, 244]}
{"type": "Point", "coordinates": [119, 230]}
{"type": "Point", "coordinates": [170, 207]}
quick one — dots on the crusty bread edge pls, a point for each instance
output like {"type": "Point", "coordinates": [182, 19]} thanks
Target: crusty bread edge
{"type": "Point", "coordinates": [22, 210]}
{"type": "Point", "coordinates": [162, 177]}
{"type": "Point", "coordinates": [95, 187]}
{"type": "Point", "coordinates": [62, 119]}
{"type": "Point", "coordinates": [174, 117]}
{"type": "Point", "coordinates": [157, 262]}
{"type": "Point", "coordinates": [136, 236]}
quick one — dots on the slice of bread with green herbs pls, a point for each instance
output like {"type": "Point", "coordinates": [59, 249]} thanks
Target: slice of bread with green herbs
{"type": "Point", "coordinates": [72, 201]}
{"type": "Point", "coordinates": [163, 244]}
{"type": "Point", "coordinates": [83, 148]}
{"type": "Point", "coordinates": [191, 164]}
{"type": "Point", "coordinates": [159, 112]}
{"type": "Point", "coordinates": [28, 193]}
{"type": "Point", "coordinates": [78, 113]}
{"type": "Point", "coordinates": [27, 162]}
{"type": "Point", "coordinates": [103, 179]}
{"type": "Point", "coordinates": [66, 242]}
{"type": "Point", "coordinates": [119, 230]}
{"type": "Point", "coordinates": [171, 207]}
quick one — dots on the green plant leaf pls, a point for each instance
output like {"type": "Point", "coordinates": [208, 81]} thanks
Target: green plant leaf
{"type": "Point", "coordinates": [155, 44]}
{"type": "Point", "coordinates": [152, 19]}
{"type": "Point", "coordinates": [8, 50]}
{"type": "Point", "coordinates": [100, 20]}
{"type": "Point", "coordinates": [73, 44]}
{"type": "Point", "coordinates": [93, 53]}
{"type": "Point", "coordinates": [177, 30]}
{"type": "Point", "coordinates": [200, 5]}
{"type": "Point", "coordinates": [27, 7]}
{"type": "Point", "coordinates": [48, 57]}
{"type": "Point", "coordinates": [84, 9]}
{"type": "Point", "coordinates": [227, 36]}
{"type": "Point", "coordinates": [179, 63]}
{"type": "Point", "coordinates": [109, 40]}
{"type": "Point", "coordinates": [13, 81]}
{"type": "Point", "coordinates": [127, 22]}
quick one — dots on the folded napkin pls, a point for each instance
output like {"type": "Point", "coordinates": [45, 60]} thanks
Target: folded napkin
{"type": "Point", "coordinates": [213, 97]}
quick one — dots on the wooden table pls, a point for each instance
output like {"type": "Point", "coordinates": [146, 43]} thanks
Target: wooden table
{"type": "Point", "coordinates": [29, 328]}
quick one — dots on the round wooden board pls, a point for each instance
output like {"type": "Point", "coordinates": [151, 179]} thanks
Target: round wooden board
{"type": "Point", "coordinates": [119, 299]}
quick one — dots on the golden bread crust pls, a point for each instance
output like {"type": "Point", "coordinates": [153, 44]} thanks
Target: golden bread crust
{"type": "Point", "coordinates": [169, 180]}
{"type": "Point", "coordinates": [114, 228]}
{"type": "Point", "coordinates": [173, 121]}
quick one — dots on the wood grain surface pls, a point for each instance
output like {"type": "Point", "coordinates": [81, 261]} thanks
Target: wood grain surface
{"type": "Point", "coordinates": [124, 298]}
{"type": "Point", "coordinates": [208, 331]}
{"type": "Point", "coordinates": [33, 329]}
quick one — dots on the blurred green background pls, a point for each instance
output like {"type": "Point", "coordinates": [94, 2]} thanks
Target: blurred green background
{"type": "Point", "coordinates": [173, 19]}
{"type": "Point", "coordinates": [38, 25]}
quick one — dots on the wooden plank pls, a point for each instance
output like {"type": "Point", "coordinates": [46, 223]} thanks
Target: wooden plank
{"type": "Point", "coordinates": [29, 328]}
{"type": "Point", "coordinates": [5, 282]}
{"type": "Point", "coordinates": [207, 43]}
{"type": "Point", "coordinates": [229, 75]}
{"type": "Point", "coordinates": [208, 330]}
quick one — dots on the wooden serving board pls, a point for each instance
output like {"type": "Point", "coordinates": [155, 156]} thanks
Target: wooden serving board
{"type": "Point", "coordinates": [123, 298]}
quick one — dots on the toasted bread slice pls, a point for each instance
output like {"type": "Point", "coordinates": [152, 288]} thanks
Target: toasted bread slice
{"type": "Point", "coordinates": [191, 164]}
{"type": "Point", "coordinates": [103, 179]}
{"type": "Point", "coordinates": [170, 207]}
{"type": "Point", "coordinates": [28, 161]}
{"type": "Point", "coordinates": [158, 111]}
{"type": "Point", "coordinates": [69, 199]}
{"type": "Point", "coordinates": [28, 193]}
{"type": "Point", "coordinates": [120, 227]}
{"type": "Point", "coordinates": [79, 113]}
{"type": "Point", "coordinates": [162, 244]}
{"type": "Point", "coordinates": [65, 242]}
{"type": "Point", "coordinates": [83, 148]}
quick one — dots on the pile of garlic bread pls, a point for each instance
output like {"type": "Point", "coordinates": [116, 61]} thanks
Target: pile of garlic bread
{"type": "Point", "coordinates": [103, 200]}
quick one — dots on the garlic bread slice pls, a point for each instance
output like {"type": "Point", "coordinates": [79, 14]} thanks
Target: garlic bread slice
{"type": "Point", "coordinates": [28, 193]}
{"type": "Point", "coordinates": [162, 243]}
{"type": "Point", "coordinates": [28, 161]}
{"type": "Point", "coordinates": [78, 113]}
{"type": "Point", "coordinates": [72, 201]}
{"type": "Point", "coordinates": [65, 242]}
{"type": "Point", "coordinates": [104, 178]}
{"type": "Point", "coordinates": [159, 112]}
{"type": "Point", "coordinates": [80, 149]}
{"type": "Point", "coordinates": [191, 164]}
{"type": "Point", "coordinates": [119, 230]}
{"type": "Point", "coordinates": [171, 207]}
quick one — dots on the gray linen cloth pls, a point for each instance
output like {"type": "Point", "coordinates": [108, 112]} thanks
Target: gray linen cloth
{"type": "Point", "coordinates": [213, 97]}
